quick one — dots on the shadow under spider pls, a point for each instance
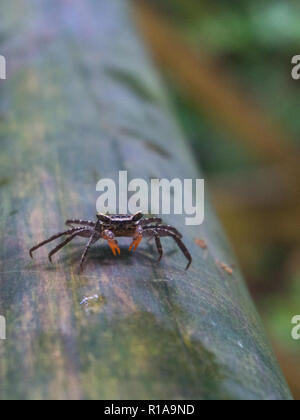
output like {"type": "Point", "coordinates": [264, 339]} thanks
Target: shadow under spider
{"type": "Point", "coordinates": [102, 255]}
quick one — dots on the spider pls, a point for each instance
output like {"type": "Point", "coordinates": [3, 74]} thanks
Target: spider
{"type": "Point", "coordinates": [109, 227]}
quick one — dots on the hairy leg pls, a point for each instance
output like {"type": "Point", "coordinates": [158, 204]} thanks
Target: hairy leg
{"type": "Point", "coordinates": [159, 247]}
{"type": "Point", "coordinates": [166, 227]}
{"type": "Point", "coordinates": [71, 222]}
{"type": "Point", "coordinates": [58, 235]}
{"type": "Point", "coordinates": [162, 232]}
{"type": "Point", "coordinates": [150, 220]}
{"type": "Point", "coordinates": [66, 241]}
{"type": "Point", "coordinates": [95, 236]}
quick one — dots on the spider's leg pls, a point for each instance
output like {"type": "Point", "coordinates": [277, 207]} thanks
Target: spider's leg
{"type": "Point", "coordinates": [58, 235]}
{"type": "Point", "coordinates": [71, 222]}
{"type": "Point", "coordinates": [164, 232]}
{"type": "Point", "coordinates": [151, 220]}
{"type": "Point", "coordinates": [184, 250]}
{"type": "Point", "coordinates": [65, 242]}
{"type": "Point", "coordinates": [137, 238]}
{"type": "Point", "coordinates": [112, 242]}
{"type": "Point", "coordinates": [159, 247]}
{"type": "Point", "coordinates": [166, 227]}
{"type": "Point", "coordinates": [151, 233]}
{"type": "Point", "coordinates": [94, 237]}
{"type": "Point", "coordinates": [172, 229]}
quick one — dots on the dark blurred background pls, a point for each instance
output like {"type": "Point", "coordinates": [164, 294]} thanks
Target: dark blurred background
{"type": "Point", "coordinates": [227, 64]}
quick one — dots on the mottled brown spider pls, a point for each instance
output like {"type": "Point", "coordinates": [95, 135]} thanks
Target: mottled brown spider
{"type": "Point", "coordinates": [109, 227]}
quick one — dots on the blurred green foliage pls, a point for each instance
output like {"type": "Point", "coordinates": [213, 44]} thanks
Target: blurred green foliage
{"type": "Point", "coordinates": [279, 310]}
{"type": "Point", "coordinates": [252, 42]}
{"type": "Point", "coordinates": [210, 142]}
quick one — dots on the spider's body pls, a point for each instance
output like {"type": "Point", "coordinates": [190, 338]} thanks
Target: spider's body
{"type": "Point", "coordinates": [120, 225]}
{"type": "Point", "coordinates": [109, 227]}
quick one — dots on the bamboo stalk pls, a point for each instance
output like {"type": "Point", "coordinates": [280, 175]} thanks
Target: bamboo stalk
{"type": "Point", "coordinates": [82, 102]}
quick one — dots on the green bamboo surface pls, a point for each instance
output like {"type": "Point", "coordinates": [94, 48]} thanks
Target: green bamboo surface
{"type": "Point", "coordinates": [82, 102]}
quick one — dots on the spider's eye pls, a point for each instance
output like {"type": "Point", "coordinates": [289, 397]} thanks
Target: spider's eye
{"type": "Point", "coordinates": [103, 218]}
{"type": "Point", "coordinates": [137, 216]}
